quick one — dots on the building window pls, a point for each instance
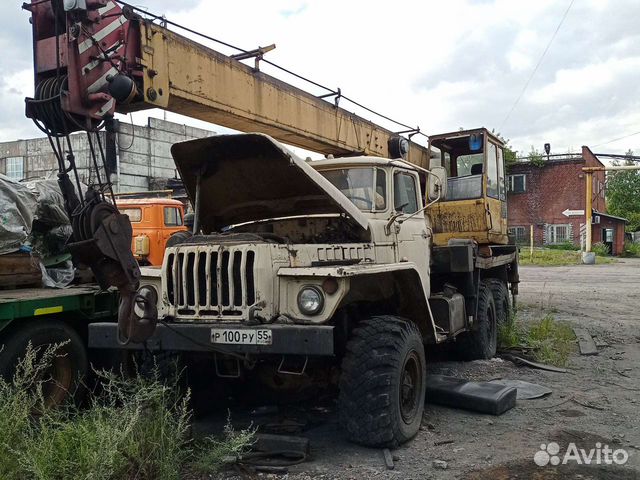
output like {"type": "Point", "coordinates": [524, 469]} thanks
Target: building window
{"type": "Point", "coordinates": [15, 168]}
{"type": "Point", "coordinates": [517, 183]}
{"type": "Point", "coordinates": [172, 217]}
{"type": "Point", "coordinates": [607, 235]}
{"type": "Point", "coordinates": [555, 234]}
{"type": "Point", "coordinates": [519, 234]}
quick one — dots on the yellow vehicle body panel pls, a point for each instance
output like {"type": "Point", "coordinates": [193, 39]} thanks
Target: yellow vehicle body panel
{"type": "Point", "coordinates": [478, 219]}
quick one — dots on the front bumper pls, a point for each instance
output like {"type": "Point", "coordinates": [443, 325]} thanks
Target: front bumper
{"type": "Point", "coordinates": [196, 337]}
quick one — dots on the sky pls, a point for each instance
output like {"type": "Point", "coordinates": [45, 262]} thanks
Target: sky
{"type": "Point", "coordinates": [440, 65]}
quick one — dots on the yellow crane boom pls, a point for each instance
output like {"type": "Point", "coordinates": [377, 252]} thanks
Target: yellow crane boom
{"type": "Point", "coordinates": [118, 55]}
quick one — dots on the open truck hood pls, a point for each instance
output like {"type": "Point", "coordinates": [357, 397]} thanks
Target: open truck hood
{"type": "Point", "coordinates": [248, 177]}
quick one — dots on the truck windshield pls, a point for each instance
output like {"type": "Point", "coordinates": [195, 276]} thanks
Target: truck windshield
{"type": "Point", "coordinates": [365, 187]}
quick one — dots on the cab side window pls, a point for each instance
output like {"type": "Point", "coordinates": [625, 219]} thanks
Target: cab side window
{"type": "Point", "coordinates": [172, 217]}
{"type": "Point", "coordinates": [405, 193]}
{"type": "Point", "coordinates": [134, 214]}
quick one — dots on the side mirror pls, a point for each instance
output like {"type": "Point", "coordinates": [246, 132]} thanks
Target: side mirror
{"type": "Point", "coordinates": [437, 183]}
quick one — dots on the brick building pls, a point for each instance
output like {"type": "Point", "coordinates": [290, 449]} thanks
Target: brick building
{"type": "Point", "coordinates": [550, 195]}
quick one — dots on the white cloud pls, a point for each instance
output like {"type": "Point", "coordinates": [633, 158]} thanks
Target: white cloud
{"type": "Point", "coordinates": [440, 65]}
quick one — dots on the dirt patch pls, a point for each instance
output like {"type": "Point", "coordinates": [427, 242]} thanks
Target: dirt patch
{"type": "Point", "coordinates": [529, 470]}
{"type": "Point", "coordinates": [596, 401]}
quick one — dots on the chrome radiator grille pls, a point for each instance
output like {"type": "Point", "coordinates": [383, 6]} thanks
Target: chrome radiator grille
{"type": "Point", "coordinates": [211, 283]}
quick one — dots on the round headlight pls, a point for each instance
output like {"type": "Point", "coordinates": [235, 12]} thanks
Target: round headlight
{"type": "Point", "coordinates": [310, 300]}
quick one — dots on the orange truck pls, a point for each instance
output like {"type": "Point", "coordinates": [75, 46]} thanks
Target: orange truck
{"type": "Point", "coordinates": [153, 220]}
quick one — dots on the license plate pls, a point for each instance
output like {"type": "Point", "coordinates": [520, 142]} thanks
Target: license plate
{"type": "Point", "coordinates": [241, 336]}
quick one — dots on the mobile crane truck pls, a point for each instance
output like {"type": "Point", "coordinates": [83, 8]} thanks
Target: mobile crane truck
{"type": "Point", "coordinates": [344, 269]}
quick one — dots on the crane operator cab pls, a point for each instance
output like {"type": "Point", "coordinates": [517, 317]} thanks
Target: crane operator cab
{"type": "Point", "coordinates": [475, 206]}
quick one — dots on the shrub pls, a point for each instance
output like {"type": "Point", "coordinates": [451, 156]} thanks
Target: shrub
{"type": "Point", "coordinates": [134, 428]}
{"type": "Point", "coordinates": [601, 249]}
{"type": "Point", "coordinates": [212, 452]}
{"type": "Point", "coordinates": [552, 341]}
{"type": "Point", "coordinates": [567, 245]}
{"type": "Point", "coordinates": [19, 399]}
{"type": "Point", "coordinates": [549, 341]}
{"type": "Point", "coordinates": [631, 249]}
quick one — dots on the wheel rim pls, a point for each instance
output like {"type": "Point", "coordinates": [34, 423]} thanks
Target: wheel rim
{"type": "Point", "coordinates": [410, 387]}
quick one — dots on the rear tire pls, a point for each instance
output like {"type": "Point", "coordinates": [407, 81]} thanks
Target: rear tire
{"type": "Point", "coordinates": [63, 382]}
{"type": "Point", "coordinates": [383, 381]}
{"type": "Point", "coordinates": [500, 294]}
{"type": "Point", "coordinates": [482, 341]}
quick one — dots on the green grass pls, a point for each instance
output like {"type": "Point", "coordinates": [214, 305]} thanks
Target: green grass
{"type": "Point", "coordinates": [631, 249]}
{"type": "Point", "coordinates": [134, 428]}
{"type": "Point", "coordinates": [548, 340]}
{"type": "Point", "coordinates": [213, 452]}
{"type": "Point", "coordinates": [557, 257]}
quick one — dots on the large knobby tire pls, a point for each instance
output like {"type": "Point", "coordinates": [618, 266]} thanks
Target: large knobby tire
{"type": "Point", "coordinates": [63, 381]}
{"type": "Point", "coordinates": [482, 341]}
{"type": "Point", "coordinates": [383, 381]}
{"type": "Point", "coordinates": [501, 300]}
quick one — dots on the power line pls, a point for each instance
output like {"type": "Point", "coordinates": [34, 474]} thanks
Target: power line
{"type": "Point", "coordinates": [616, 139]}
{"type": "Point", "coordinates": [544, 53]}
{"type": "Point", "coordinates": [163, 20]}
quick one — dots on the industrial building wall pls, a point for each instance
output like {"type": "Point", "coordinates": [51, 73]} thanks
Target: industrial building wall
{"type": "Point", "coordinates": [143, 157]}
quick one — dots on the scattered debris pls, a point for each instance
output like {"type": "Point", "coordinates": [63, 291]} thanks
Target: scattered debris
{"type": "Point", "coordinates": [585, 342]}
{"type": "Point", "coordinates": [617, 355]}
{"type": "Point", "coordinates": [388, 459]}
{"type": "Point", "coordinates": [266, 442]}
{"type": "Point", "coordinates": [526, 390]}
{"type": "Point", "coordinates": [440, 464]}
{"type": "Point", "coordinates": [271, 469]}
{"type": "Point", "coordinates": [482, 397]}
{"type": "Point", "coordinates": [624, 387]}
{"type": "Point", "coordinates": [600, 342]}
{"type": "Point", "coordinates": [528, 363]}
{"type": "Point", "coordinates": [588, 405]}
{"type": "Point", "coordinates": [443, 442]}
{"type": "Point", "coordinates": [285, 426]}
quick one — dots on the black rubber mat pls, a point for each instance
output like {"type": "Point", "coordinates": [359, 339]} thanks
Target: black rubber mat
{"type": "Point", "coordinates": [482, 397]}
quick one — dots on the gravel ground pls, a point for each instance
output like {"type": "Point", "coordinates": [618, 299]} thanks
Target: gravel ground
{"type": "Point", "coordinates": [595, 402]}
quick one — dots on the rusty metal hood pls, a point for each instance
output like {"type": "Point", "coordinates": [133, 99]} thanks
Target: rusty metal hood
{"type": "Point", "coordinates": [249, 177]}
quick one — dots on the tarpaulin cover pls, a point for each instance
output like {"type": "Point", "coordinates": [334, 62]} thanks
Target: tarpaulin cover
{"type": "Point", "coordinates": [17, 209]}
{"type": "Point", "coordinates": [50, 211]}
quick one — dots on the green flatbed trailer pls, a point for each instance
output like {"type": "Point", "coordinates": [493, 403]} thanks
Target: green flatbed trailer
{"type": "Point", "coordinates": [44, 317]}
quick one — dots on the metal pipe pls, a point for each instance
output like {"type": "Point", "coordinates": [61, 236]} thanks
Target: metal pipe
{"type": "Point", "coordinates": [588, 178]}
{"type": "Point", "coordinates": [531, 243]}
{"type": "Point", "coordinates": [611, 169]}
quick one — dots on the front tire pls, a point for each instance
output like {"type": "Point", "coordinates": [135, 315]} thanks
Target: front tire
{"type": "Point", "coordinates": [383, 381]}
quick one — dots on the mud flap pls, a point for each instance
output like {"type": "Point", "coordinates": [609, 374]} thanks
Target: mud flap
{"type": "Point", "coordinates": [481, 397]}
